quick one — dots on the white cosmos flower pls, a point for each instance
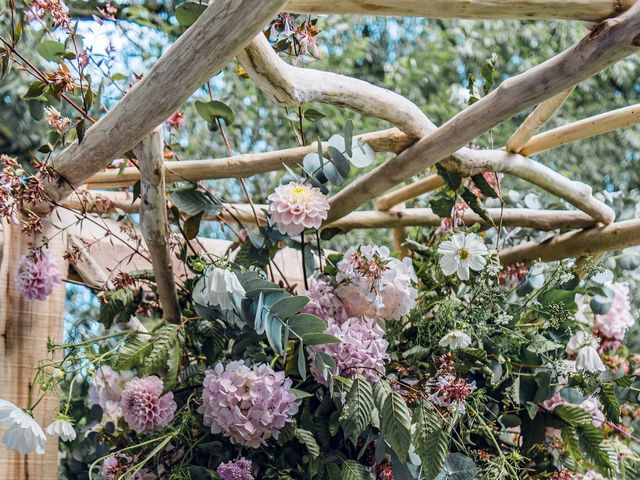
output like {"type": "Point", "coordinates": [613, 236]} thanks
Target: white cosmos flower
{"type": "Point", "coordinates": [62, 428]}
{"type": "Point", "coordinates": [461, 253]}
{"type": "Point", "coordinates": [215, 286]}
{"type": "Point", "coordinates": [24, 434]}
{"type": "Point", "coordinates": [585, 346]}
{"type": "Point", "coordinates": [455, 339]}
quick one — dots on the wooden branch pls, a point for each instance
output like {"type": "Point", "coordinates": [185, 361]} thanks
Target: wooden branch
{"type": "Point", "coordinates": [241, 166]}
{"type": "Point", "coordinates": [589, 10]}
{"type": "Point", "coordinates": [579, 194]}
{"type": "Point", "coordinates": [514, 217]}
{"type": "Point", "coordinates": [286, 84]}
{"type": "Point", "coordinates": [408, 192]}
{"type": "Point", "coordinates": [423, 217]}
{"type": "Point", "coordinates": [154, 223]}
{"type": "Point", "coordinates": [201, 52]}
{"type": "Point", "coordinates": [576, 244]}
{"type": "Point", "coordinates": [607, 43]}
{"type": "Point", "coordinates": [588, 127]}
{"type": "Point", "coordinates": [535, 120]}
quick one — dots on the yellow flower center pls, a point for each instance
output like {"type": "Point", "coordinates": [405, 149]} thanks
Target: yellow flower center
{"type": "Point", "coordinates": [299, 193]}
{"type": "Point", "coordinates": [463, 254]}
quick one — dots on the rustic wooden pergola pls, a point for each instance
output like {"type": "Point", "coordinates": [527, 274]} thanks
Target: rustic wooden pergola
{"type": "Point", "coordinates": [212, 42]}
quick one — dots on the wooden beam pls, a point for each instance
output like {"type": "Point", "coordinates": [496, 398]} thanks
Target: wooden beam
{"type": "Point", "coordinates": [576, 244]}
{"type": "Point", "coordinates": [535, 121]}
{"type": "Point", "coordinates": [585, 128]}
{"type": "Point", "coordinates": [588, 10]}
{"type": "Point", "coordinates": [201, 52]}
{"type": "Point", "coordinates": [408, 192]}
{"type": "Point", "coordinates": [242, 166]}
{"type": "Point", "coordinates": [543, 220]}
{"type": "Point", "coordinates": [610, 41]}
{"type": "Point", "coordinates": [154, 223]}
{"type": "Point", "coordinates": [25, 327]}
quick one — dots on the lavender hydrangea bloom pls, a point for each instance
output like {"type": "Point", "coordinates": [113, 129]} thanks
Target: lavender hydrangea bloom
{"type": "Point", "coordinates": [37, 274]}
{"type": "Point", "coordinates": [106, 390]}
{"type": "Point", "coordinates": [247, 405]}
{"type": "Point", "coordinates": [143, 405]}
{"type": "Point", "coordinates": [371, 283]}
{"type": "Point", "coordinates": [363, 350]}
{"type": "Point", "coordinates": [238, 470]}
{"type": "Point", "coordinates": [324, 303]}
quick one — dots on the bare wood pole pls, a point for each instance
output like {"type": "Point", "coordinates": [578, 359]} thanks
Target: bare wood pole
{"type": "Point", "coordinates": [535, 121]}
{"type": "Point", "coordinates": [419, 187]}
{"type": "Point", "coordinates": [585, 128]}
{"type": "Point", "coordinates": [610, 41]}
{"type": "Point", "coordinates": [154, 223]}
{"type": "Point", "coordinates": [201, 52]}
{"type": "Point", "coordinates": [587, 10]}
{"type": "Point", "coordinates": [576, 244]}
{"type": "Point", "coordinates": [25, 327]}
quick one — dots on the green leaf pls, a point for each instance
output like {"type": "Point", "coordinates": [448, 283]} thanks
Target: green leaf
{"type": "Point", "coordinates": [348, 137]}
{"type": "Point", "coordinates": [607, 396]}
{"type": "Point", "coordinates": [340, 161]}
{"type": "Point", "coordinates": [319, 339]}
{"type": "Point", "coordinates": [590, 439]}
{"type": "Point", "coordinates": [313, 115]}
{"type": "Point", "coordinates": [453, 180]}
{"type": "Point", "coordinates": [305, 323]}
{"type": "Point", "coordinates": [193, 202]}
{"type": "Point", "coordinates": [442, 204]}
{"type": "Point", "coordinates": [213, 110]}
{"type": "Point", "coordinates": [358, 409]}
{"type": "Point", "coordinates": [458, 467]}
{"type": "Point", "coordinates": [50, 49]}
{"type": "Point", "coordinates": [302, 362]}
{"type": "Point", "coordinates": [476, 205]}
{"type": "Point", "coordinates": [273, 329]}
{"type": "Point", "coordinates": [288, 306]}
{"type": "Point", "coordinates": [188, 12]}
{"type": "Point", "coordinates": [573, 415]}
{"type": "Point", "coordinates": [485, 187]}
{"type": "Point", "coordinates": [324, 363]}
{"type": "Point", "coordinates": [431, 440]}
{"type": "Point", "coordinates": [36, 88]}
{"type": "Point", "coordinates": [395, 424]}
{"type": "Point", "coordinates": [191, 226]}
{"type": "Point", "coordinates": [352, 470]}
{"type": "Point", "coordinates": [80, 129]}
{"type": "Point", "coordinates": [308, 440]}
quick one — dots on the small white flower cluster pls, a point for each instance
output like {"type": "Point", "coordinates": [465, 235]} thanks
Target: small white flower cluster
{"type": "Point", "coordinates": [25, 435]}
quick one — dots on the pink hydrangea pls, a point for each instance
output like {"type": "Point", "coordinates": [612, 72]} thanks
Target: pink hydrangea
{"type": "Point", "coordinates": [106, 389]}
{"type": "Point", "coordinates": [238, 470]}
{"type": "Point", "coordinates": [363, 350]}
{"type": "Point", "coordinates": [248, 405]}
{"type": "Point", "coordinates": [143, 405]}
{"type": "Point", "coordinates": [324, 303]}
{"type": "Point", "coordinates": [297, 206]}
{"type": "Point", "coordinates": [375, 285]}
{"type": "Point", "coordinates": [614, 324]}
{"type": "Point", "coordinates": [38, 273]}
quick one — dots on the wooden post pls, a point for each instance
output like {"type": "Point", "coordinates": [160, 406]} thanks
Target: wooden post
{"type": "Point", "coordinates": [25, 327]}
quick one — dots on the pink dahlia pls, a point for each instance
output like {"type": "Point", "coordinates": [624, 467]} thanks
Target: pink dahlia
{"type": "Point", "coordinates": [373, 284]}
{"type": "Point", "coordinates": [614, 324]}
{"type": "Point", "coordinates": [324, 303]}
{"type": "Point", "coordinates": [248, 405]}
{"type": "Point", "coordinates": [143, 405]}
{"type": "Point", "coordinates": [363, 350]}
{"type": "Point", "coordinates": [38, 273]}
{"type": "Point", "coordinates": [238, 470]}
{"type": "Point", "coordinates": [297, 206]}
